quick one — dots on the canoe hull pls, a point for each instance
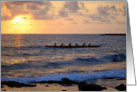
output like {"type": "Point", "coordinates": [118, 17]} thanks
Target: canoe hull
{"type": "Point", "coordinates": [93, 46]}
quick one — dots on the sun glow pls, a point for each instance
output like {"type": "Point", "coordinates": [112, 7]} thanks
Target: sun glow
{"type": "Point", "coordinates": [21, 19]}
{"type": "Point", "coordinates": [21, 24]}
{"type": "Point", "coordinates": [17, 20]}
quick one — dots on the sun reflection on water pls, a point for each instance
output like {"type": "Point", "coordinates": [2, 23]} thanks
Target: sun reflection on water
{"type": "Point", "coordinates": [18, 41]}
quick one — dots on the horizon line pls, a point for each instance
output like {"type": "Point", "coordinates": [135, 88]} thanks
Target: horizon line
{"type": "Point", "coordinates": [66, 33]}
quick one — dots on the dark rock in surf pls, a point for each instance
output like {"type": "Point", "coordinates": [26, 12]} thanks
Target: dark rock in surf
{"type": "Point", "coordinates": [121, 87]}
{"type": "Point", "coordinates": [64, 90]}
{"type": "Point", "coordinates": [41, 82]}
{"type": "Point", "coordinates": [16, 84]}
{"type": "Point", "coordinates": [46, 85]}
{"type": "Point", "coordinates": [63, 82]}
{"type": "Point", "coordinates": [115, 78]}
{"type": "Point", "coordinates": [2, 86]}
{"type": "Point", "coordinates": [119, 58]}
{"type": "Point", "coordinates": [90, 87]}
{"type": "Point", "coordinates": [67, 82]}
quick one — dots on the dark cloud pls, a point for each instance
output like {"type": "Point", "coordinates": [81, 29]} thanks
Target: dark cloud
{"type": "Point", "coordinates": [86, 21]}
{"type": "Point", "coordinates": [100, 18]}
{"type": "Point", "coordinates": [107, 10]}
{"type": "Point", "coordinates": [71, 6]}
{"type": "Point", "coordinates": [69, 19]}
{"type": "Point", "coordinates": [32, 7]}
{"type": "Point", "coordinates": [63, 13]}
{"type": "Point", "coordinates": [38, 9]}
{"type": "Point", "coordinates": [42, 12]}
{"type": "Point", "coordinates": [105, 14]}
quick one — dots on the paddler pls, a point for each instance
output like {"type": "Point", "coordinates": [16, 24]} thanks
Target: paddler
{"type": "Point", "coordinates": [89, 44]}
{"type": "Point", "coordinates": [54, 45]}
{"type": "Point", "coordinates": [76, 44]}
{"type": "Point", "coordinates": [70, 44]}
{"type": "Point", "coordinates": [62, 44]}
{"type": "Point", "coordinates": [84, 44]}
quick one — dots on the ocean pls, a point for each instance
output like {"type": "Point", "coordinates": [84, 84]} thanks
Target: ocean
{"type": "Point", "coordinates": [25, 59]}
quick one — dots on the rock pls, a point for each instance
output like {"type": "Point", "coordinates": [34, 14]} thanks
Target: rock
{"type": "Point", "coordinates": [16, 84]}
{"type": "Point", "coordinates": [41, 82]}
{"type": "Point", "coordinates": [46, 85]}
{"type": "Point", "coordinates": [63, 82]}
{"type": "Point", "coordinates": [115, 78]}
{"type": "Point", "coordinates": [121, 87]}
{"type": "Point", "coordinates": [2, 86]}
{"type": "Point", "coordinates": [64, 90]}
{"type": "Point", "coordinates": [90, 87]}
{"type": "Point", "coordinates": [67, 82]}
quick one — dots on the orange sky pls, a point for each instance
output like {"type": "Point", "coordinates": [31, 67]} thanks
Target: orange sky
{"type": "Point", "coordinates": [63, 17]}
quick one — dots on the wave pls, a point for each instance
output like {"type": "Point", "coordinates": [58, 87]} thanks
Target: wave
{"type": "Point", "coordinates": [74, 62]}
{"type": "Point", "coordinates": [21, 47]}
{"type": "Point", "coordinates": [74, 76]}
{"type": "Point", "coordinates": [117, 57]}
{"type": "Point", "coordinates": [87, 59]}
{"type": "Point", "coordinates": [109, 58]}
{"type": "Point", "coordinates": [21, 54]}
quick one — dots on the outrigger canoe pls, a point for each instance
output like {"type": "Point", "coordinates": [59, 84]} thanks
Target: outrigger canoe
{"type": "Point", "coordinates": [92, 46]}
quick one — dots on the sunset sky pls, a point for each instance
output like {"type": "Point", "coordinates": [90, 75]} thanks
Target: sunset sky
{"type": "Point", "coordinates": [63, 17]}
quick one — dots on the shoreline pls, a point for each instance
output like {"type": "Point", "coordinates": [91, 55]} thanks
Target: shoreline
{"type": "Point", "coordinates": [109, 84]}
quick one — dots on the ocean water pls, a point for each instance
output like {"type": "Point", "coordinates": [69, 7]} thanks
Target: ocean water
{"type": "Point", "coordinates": [25, 59]}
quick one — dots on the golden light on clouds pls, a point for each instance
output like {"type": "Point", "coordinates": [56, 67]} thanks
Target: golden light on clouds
{"type": "Point", "coordinates": [62, 17]}
{"type": "Point", "coordinates": [21, 24]}
{"type": "Point", "coordinates": [21, 19]}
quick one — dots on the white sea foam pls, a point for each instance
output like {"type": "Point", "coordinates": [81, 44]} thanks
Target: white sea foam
{"type": "Point", "coordinates": [75, 77]}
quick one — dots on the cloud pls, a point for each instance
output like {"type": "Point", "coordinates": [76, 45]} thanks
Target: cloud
{"type": "Point", "coordinates": [5, 17]}
{"type": "Point", "coordinates": [63, 13]}
{"type": "Point", "coordinates": [121, 22]}
{"type": "Point", "coordinates": [100, 18]}
{"type": "Point", "coordinates": [69, 19]}
{"type": "Point", "coordinates": [38, 9]}
{"type": "Point", "coordinates": [71, 6]}
{"type": "Point", "coordinates": [44, 10]}
{"type": "Point", "coordinates": [107, 10]}
{"type": "Point", "coordinates": [105, 14]}
{"type": "Point", "coordinates": [86, 22]}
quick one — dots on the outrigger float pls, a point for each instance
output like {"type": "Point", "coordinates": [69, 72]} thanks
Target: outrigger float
{"type": "Point", "coordinates": [91, 46]}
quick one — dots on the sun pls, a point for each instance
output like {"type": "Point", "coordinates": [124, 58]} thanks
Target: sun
{"type": "Point", "coordinates": [21, 24]}
{"type": "Point", "coordinates": [18, 19]}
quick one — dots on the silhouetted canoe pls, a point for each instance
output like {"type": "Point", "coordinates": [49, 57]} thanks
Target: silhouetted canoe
{"type": "Point", "coordinates": [92, 46]}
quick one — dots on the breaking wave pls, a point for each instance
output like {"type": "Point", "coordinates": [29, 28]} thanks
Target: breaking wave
{"type": "Point", "coordinates": [74, 76]}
